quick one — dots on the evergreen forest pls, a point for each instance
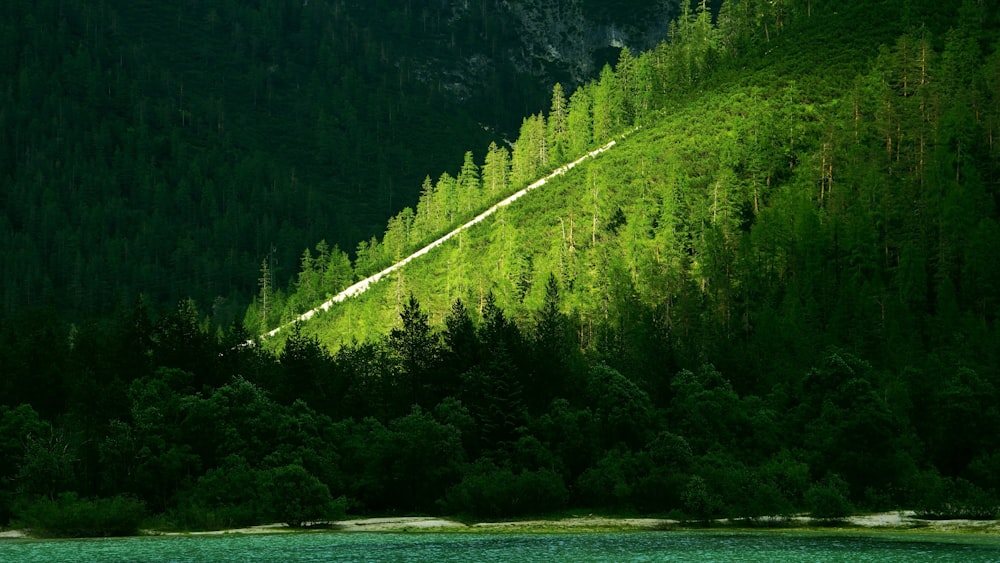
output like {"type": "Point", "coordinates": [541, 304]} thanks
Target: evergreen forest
{"type": "Point", "coordinates": [778, 293]}
{"type": "Point", "coordinates": [167, 149]}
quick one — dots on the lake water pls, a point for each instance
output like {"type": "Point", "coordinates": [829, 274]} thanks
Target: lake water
{"type": "Point", "coordinates": [437, 547]}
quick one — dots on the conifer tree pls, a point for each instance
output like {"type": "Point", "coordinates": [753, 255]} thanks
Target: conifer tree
{"type": "Point", "coordinates": [530, 151]}
{"type": "Point", "coordinates": [461, 344]}
{"type": "Point", "coordinates": [307, 286]}
{"type": "Point", "coordinates": [445, 198]}
{"type": "Point", "coordinates": [607, 110]}
{"type": "Point", "coordinates": [266, 293]}
{"type": "Point", "coordinates": [426, 222]}
{"type": "Point", "coordinates": [496, 171]}
{"type": "Point", "coordinates": [468, 184]}
{"type": "Point", "coordinates": [551, 347]}
{"type": "Point", "coordinates": [416, 346]}
{"type": "Point", "coordinates": [579, 121]}
{"type": "Point", "coordinates": [557, 125]}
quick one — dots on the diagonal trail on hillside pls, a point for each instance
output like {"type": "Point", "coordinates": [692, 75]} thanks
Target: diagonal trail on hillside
{"type": "Point", "coordinates": [363, 285]}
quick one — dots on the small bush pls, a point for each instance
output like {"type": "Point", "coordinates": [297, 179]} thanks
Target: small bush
{"type": "Point", "coordinates": [699, 502]}
{"type": "Point", "coordinates": [70, 516]}
{"type": "Point", "coordinates": [541, 491]}
{"type": "Point", "coordinates": [762, 503]}
{"type": "Point", "coordinates": [296, 497]}
{"type": "Point", "coordinates": [827, 500]}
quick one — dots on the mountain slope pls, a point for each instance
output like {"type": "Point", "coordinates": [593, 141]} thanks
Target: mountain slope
{"type": "Point", "coordinates": [166, 150]}
{"type": "Point", "coordinates": [778, 295]}
{"type": "Point", "coordinates": [748, 210]}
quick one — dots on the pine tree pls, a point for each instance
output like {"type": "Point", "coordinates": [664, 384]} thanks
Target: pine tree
{"type": "Point", "coordinates": [607, 105]}
{"type": "Point", "coordinates": [530, 156]}
{"type": "Point", "coordinates": [551, 346]}
{"type": "Point", "coordinates": [627, 78]}
{"type": "Point", "coordinates": [266, 293]}
{"type": "Point", "coordinates": [446, 204]}
{"type": "Point", "coordinates": [426, 221]}
{"type": "Point", "coordinates": [416, 347]}
{"type": "Point", "coordinates": [468, 184]}
{"type": "Point", "coordinates": [461, 348]}
{"type": "Point", "coordinates": [338, 273]}
{"type": "Point", "coordinates": [307, 287]}
{"type": "Point", "coordinates": [496, 171]}
{"type": "Point", "coordinates": [579, 122]}
{"type": "Point", "coordinates": [557, 135]}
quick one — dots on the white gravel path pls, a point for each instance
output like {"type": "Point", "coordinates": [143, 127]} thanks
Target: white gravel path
{"type": "Point", "coordinates": [363, 285]}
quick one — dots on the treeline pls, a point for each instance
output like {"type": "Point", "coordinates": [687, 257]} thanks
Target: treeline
{"type": "Point", "coordinates": [479, 416]}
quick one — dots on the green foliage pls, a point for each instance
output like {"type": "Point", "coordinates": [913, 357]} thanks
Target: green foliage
{"type": "Point", "coordinates": [610, 482]}
{"type": "Point", "coordinates": [622, 409]}
{"type": "Point", "coordinates": [47, 466]}
{"type": "Point", "coordinates": [700, 502]}
{"type": "Point", "coordinates": [417, 350]}
{"type": "Point", "coordinates": [422, 457]}
{"type": "Point", "coordinates": [18, 428]}
{"type": "Point", "coordinates": [70, 516]}
{"type": "Point", "coordinates": [727, 484]}
{"type": "Point", "coordinates": [292, 495]}
{"type": "Point", "coordinates": [228, 496]}
{"type": "Point", "coordinates": [940, 498]}
{"type": "Point", "coordinates": [490, 492]}
{"type": "Point", "coordinates": [828, 499]}
{"type": "Point", "coordinates": [530, 156]}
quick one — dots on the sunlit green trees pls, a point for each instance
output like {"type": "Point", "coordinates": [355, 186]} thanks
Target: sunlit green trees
{"type": "Point", "coordinates": [531, 152]}
{"type": "Point", "coordinates": [496, 172]}
{"type": "Point", "coordinates": [557, 134]}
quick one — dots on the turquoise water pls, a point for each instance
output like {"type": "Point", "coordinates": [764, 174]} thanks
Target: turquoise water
{"type": "Point", "coordinates": [644, 546]}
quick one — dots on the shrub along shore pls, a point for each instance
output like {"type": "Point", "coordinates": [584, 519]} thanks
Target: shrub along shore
{"type": "Point", "coordinates": [895, 522]}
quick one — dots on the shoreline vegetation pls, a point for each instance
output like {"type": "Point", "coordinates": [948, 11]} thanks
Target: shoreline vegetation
{"type": "Point", "coordinates": [897, 521]}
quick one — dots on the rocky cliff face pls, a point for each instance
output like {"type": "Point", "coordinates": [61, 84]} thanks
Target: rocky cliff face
{"type": "Point", "coordinates": [509, 53]}
{"type": "Point", "coordinates": [574, 38]}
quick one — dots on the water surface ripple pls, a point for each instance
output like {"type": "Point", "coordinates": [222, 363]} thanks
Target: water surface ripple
{"type": "Point", "coordinates": [442, 547]}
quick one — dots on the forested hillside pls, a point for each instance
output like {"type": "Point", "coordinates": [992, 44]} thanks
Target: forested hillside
{"type": "Point", "coordinates": [167, 149]}
{"type": "Point", "coordinates": [778, 294]}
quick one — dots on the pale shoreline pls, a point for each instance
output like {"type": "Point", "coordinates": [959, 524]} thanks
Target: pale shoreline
{"type": "Point", "coordinates": [889, 521]}
{"type": "Point", "coordinates": [900, 521]}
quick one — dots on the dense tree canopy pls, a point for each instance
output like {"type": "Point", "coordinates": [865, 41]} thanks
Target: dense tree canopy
{"type": "Point", "coordinates": [777, 293]}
